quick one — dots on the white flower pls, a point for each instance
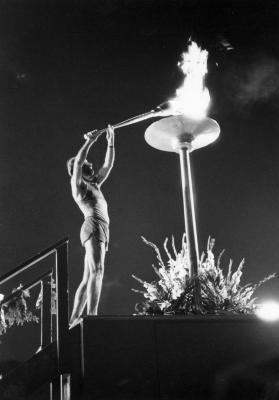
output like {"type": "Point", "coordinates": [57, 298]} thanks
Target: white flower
{"type": "Point", "coordinates": [177, 290]}
{"type": "Point", "coordinates": [152, 292]}
{"type": "Point", "coordinates": [164, 304]}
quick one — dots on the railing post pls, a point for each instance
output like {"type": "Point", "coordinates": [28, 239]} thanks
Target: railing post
{"type": "Point", "coordinates": [62, 308]}
{"type": "Point", "coordinates": [46, 312]}
{"type": "Point", "coordinates": [62, 320]}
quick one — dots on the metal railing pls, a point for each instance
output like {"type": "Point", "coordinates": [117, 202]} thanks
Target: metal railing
{"type": "Point", "coordinates": [60, 272]}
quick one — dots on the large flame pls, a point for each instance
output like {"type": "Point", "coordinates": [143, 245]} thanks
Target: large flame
{"type": "Point", "coordinates": [192, 98]}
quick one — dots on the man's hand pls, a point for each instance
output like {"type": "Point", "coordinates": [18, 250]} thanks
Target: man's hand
{"type": "Point", "coordinates": [92, 136]}
{"type": "Point", "coordinates": [110, 135]}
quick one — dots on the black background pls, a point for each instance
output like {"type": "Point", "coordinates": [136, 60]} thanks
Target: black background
{"type": "Point", "coordinates": [69, 67]}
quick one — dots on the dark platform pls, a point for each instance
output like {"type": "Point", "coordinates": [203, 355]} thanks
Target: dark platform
{"type": "Point", "coordinates": [168, 357]}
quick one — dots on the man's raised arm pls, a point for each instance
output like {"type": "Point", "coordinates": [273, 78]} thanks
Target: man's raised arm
{"type": "Point", "coordinates": [79, 161]}
{"type": "Point", "coordinates": [104, 171]}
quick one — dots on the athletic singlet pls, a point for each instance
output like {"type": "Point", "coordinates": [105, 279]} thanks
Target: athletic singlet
{"type": "Point", "coordinates": [93, 203]}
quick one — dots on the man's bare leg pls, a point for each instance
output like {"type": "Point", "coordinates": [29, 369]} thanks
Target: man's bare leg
{"type": "Point", "coordinates": [95, 253]}
{"type": "Point", "coordinates": [80, 296]}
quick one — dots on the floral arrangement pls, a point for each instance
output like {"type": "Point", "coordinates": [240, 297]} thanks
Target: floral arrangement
{"type": "Point", "coordinates": [173, 291]}
{"type": "Point", "coordinates": [16, 310]}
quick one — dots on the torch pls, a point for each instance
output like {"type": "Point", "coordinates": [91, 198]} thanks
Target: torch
{"type": "Point", "coordinates": [188, 130]}
{"type": "Point", "coordinates": [162, 110]}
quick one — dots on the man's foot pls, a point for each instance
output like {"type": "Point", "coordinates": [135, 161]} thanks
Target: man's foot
{"type": "Point", "coordinates": [38, 349]}
{"type": "Point", "coordinates": [75, 322]}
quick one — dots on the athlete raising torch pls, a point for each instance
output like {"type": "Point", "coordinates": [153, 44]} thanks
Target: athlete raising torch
{"type": "Point", "coordinates": [94, 234]}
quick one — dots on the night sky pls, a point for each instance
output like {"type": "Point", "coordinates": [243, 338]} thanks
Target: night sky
{"type": "Point", "coordinates": [69, 67]}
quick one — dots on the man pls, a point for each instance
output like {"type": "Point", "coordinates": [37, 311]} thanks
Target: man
{"type": "Point", "coordinates": [94, 234]}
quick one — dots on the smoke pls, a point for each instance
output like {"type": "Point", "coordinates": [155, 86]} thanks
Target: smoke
{"type": "Point", "coordinates": [256, 82]}
{"type": "Point", "coordinates": [108, 284]}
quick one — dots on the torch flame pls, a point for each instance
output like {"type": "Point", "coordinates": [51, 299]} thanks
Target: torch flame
{"type": "Point", "coordinates": [192, 98]}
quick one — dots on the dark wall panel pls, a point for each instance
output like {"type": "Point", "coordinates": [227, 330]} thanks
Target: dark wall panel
{"type": "Point", "coordinates": [193, 352]}
{"type": "Point", "coordinates": [174, 358]}
{"type": "Point", "coordinates": [119, 358]}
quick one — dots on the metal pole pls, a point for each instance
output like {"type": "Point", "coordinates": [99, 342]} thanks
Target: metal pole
{"type": "Point", "coordinates": [62, 308]}
{"type": "Point", "coordinates": [62, 318]}
{"type": "Point", "coordinates": [46, 312]}
{"type": "Point", "coordinates": [190, 219]}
